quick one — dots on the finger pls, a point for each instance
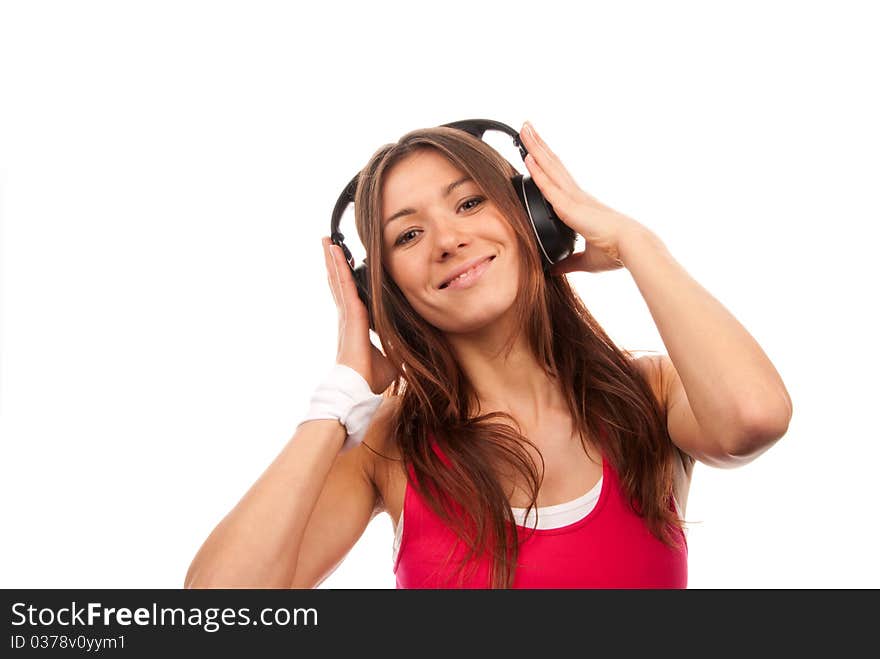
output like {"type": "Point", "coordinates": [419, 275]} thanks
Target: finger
{"type": "Point", "coordinates": [332, 274]}
{"type": "Point", "coordinates": [566, 265]}
{"type": "Point", "coordinates": [335, 253]}
{"type": "Point", "coordinates": [345, 281]}
{"type": "Point", "coordinates": [542, 147]}
{"type": "Point", "coordinates": [551, 191]}
{"type": "Point", "coordinates": [545, 156]}
{"type": "Point", "coordinates": [326, 252]}
{"type": "Point", "coordinates": [589, 260]}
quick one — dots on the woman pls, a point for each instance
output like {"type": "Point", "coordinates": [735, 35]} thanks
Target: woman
{"type": "Point", "coordinates": [504, 401]}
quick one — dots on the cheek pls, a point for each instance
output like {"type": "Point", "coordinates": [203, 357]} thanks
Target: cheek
{"type": "Point", "coordinates": [460, 313]}
{"type": "Point", "coordinates": [412, 285]}
{"type": "Point", "coordinates": [407, 275]}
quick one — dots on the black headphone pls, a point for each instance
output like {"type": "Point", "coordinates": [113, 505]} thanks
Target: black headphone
{"type": "Point", "coordinates": [555, 239]}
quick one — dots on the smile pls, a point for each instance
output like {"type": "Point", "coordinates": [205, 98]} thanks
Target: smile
{"type": "Point", "coordinates": [469, 278]}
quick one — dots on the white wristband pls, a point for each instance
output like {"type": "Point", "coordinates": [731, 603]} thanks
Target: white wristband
{"type": "Point", "coordinates": [344, 395]}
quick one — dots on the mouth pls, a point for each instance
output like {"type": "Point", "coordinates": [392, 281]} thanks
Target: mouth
{"type": "Point", "coordinates": [468, 278]}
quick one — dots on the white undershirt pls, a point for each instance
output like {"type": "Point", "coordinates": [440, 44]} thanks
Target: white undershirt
{"type": "Point", "coordinates": [548, 517]}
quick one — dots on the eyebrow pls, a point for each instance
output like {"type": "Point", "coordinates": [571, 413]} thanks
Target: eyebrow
{"type": "Point", "coordinates": [446, 192]}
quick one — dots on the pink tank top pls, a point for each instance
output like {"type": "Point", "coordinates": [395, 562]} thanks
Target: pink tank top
{"type": "Point", "coordinates": [609, 548]}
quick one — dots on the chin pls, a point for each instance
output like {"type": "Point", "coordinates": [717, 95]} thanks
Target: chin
{"type": "Point", "coordinates": [473, 315]}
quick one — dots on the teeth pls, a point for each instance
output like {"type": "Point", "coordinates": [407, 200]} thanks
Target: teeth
{"type": "Point", "coordinates": [466, 274]}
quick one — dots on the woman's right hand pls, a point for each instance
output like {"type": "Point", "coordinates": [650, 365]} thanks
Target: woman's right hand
{"type": "Point", "coordinates": [354, 348]}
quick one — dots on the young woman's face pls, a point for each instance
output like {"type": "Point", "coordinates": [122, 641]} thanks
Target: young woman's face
{"type": "Point", "coordinates": [449, 228]}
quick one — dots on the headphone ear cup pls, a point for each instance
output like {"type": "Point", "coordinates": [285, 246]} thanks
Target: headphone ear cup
{"type": "Point", "coordinates": [555, 238]}
{"type": "Point", "coordinates": [361, 276]}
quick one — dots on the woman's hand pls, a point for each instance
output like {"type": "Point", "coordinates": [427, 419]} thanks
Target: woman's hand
{"type": "Point", "coordinates": [602, 227]}
{"type": "Point", "coordinates": [354, 348]}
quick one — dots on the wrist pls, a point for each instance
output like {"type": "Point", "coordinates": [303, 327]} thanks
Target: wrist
{"type": "Point", "coordinates": [346, 396]}
{"type": "Point", "coordinates": [633, 238]}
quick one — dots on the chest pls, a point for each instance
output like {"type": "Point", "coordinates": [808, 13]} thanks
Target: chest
{"type": "Point", "coordinates": [570, 467]}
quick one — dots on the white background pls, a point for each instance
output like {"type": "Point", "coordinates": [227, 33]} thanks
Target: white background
{"type": "Point", "coordinates": [167, 170]}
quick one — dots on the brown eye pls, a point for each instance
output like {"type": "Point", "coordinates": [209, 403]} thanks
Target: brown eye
{"type": "Point", "coordinates": [479, 200]}
{"type": "Point", "coordinates": [402, 240]}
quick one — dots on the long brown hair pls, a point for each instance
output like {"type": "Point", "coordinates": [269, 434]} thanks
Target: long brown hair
{"type": "Point", "coordinates": [608, 398]}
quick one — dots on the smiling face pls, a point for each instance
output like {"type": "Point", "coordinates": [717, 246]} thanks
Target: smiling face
{"type": "Point", "coordinates": [435, 221]}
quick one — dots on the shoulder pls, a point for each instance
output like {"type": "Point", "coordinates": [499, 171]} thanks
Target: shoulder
{"type": "Point", "coordinates": [651, 368]}
{"type": "Point", "coordinates": [658, 370]}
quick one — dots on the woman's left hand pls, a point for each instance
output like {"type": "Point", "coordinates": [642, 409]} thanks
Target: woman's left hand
{"type": "Point", "coordinates": [601, 227]}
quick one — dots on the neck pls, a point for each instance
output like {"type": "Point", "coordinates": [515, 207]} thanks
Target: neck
{"type": "Point", "coordinates": [512, 382]}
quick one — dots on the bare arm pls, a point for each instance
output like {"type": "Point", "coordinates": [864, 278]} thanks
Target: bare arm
{"type": "Point", "coordinates": [257, 544]}
{"type": "Point", "coordinates": [339, 518]}
{"type": "Point", "coordinates": [310, 506]}
{"type": "Point", "coordinates": [725, 401]}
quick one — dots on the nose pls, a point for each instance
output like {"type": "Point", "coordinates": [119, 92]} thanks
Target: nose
{"type": "Point", "coordinates": [449, 238]}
